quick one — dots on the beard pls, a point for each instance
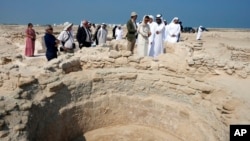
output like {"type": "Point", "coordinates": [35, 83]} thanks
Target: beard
{"type": "Point", "coordinates": [158, 22]}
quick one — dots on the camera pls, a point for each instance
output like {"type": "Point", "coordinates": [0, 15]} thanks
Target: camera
{"type": "Point", "coordinates": [61, 49]}
{"type": "Point", "coordinates": [73, 45]}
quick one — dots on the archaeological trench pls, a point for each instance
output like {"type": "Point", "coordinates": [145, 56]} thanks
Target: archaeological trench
{"type": "Point", "coordinates": [107, 94]}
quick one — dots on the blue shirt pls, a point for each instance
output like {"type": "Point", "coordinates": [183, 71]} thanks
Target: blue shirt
{"type": "Point", "coordinates": [50, 42]}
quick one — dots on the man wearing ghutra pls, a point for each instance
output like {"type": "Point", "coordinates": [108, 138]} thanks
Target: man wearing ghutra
{"type": "Point", "coordinates": [102, 34]}
{"type": "Point", "coordinates": [174, 30]}
{"type": "Point", "coordinates": [159, 37]}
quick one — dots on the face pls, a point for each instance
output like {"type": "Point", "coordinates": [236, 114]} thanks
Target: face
{"type": "Point", "coordinates": [135, 17]}
{"type": "Point", "coordinates": [50, 30]}
{"type": "Point", "coordinates": [176, 21]}
{"type": "Point", "coordinates": [70, 28]}
{"type": "Point", "coordinates": [85, 23]}
{"type": "Point", "coordinates": [30, 26]}
{"type": "Point", "coordinates": [150, 20]}
{"type": "Point", "coordinates": [146, 20]}
{"type": "Point", "coordinates": [158, 21]}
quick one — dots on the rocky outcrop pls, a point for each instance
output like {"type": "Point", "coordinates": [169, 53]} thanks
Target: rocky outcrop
{"type": "Point", "coordinates": [108, 88]}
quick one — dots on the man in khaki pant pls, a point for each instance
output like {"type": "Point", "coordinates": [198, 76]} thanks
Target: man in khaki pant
{"type": "Point", "coordinates": [132, 32]}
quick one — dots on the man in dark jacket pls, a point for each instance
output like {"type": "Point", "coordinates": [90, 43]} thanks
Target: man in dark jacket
{"type": "Point", "coordinates": [132, 32]}
{"type": "Point", "coordinates": [83, 35]}
{"type": "Point", "coordinates": [51, 43]}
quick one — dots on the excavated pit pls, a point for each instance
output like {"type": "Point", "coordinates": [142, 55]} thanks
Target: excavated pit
{"type": "Point", "coordinates": [111, 106]}
{"type": "Point", "coordinates": [193, 92]}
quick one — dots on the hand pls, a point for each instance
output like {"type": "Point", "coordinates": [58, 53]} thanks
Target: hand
{"type": "Point", "coordinates": [57, 41]}
{"type": "Point", "coordinates": [157, 32]}
{"type": "Point", "coordinates": [149, 34]}
{"type": "Point", "coordinates": [65, 48]}
{"type": "Point", "coordinates": [173, 35]}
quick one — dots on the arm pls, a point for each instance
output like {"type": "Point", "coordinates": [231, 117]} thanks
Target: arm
{"type": "Point", "coordinates": [78, 38]}
{"type": "Point", "coordinates": [178, 31]}
{"type": "Point", "coordinates": [173, 30]}
{"type": "Point", "coordinates": [159, 29]}
{"type": "Point", "coordinates": [28, 34]}
{"type": "Point", "coordinates": [142, 32]}
{"type": "Point", "coordinates": [81, 35]}
{"type": "Point", "coordinates": [116, 32]}
{"type": "Point", "coordinates": [130, 27]}
{"type": "Point", "coordinates": [98, 33]}
{"type": "Point", "coordinates": [50, 41]}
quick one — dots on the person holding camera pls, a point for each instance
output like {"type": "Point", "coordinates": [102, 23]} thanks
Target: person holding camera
{"type": "Point", "coordinates": [67, 39]}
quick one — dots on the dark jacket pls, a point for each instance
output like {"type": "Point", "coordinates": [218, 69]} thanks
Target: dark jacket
{"type": "Point", "coordinates": [132, 31]}
{"type": "Point", "coordinates": [50, 42]}
{"type": "Point", "coordinates": [81, 35]}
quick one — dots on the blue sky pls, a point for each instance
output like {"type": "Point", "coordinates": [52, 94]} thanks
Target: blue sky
{"type": "Point", "coordinates": [209, 13]}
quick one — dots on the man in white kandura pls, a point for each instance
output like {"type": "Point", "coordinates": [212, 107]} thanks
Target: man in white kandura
{"type": "Point", "coordinates": [166, 31]}
{"type": "Point", "coordinates": [143, 34]}
{"type": "Point", "coordinates": [174, 30]}
{"type": "Point", "coordinates": [159, 37]}
{"type": "Point", "coordinates": [152, 26]}
{"type": "Point", "coordinates": [118, 33]}
{"type": "Point", "coordinates": [200, 30]}
{"type": "Point", "coordinates": [102, 34]}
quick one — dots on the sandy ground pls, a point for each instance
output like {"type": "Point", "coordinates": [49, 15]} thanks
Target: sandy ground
{"type": "Point", "coordinates": [215, 44]}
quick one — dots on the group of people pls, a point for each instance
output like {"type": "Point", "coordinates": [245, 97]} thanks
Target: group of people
{"type": "Point", "coordinates": [86, 37]}
{"type": "Point", "coordinates": [65, 41]}
{"type": "Point", "coordinates": [150, 35]}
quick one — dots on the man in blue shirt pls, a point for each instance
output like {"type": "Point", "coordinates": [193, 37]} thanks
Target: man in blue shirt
{"type": "Point", "coordinates": [51, 43]}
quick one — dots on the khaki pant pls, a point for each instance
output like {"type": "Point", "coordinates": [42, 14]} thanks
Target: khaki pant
{"type": "Point", "coordinates": [131, 46]}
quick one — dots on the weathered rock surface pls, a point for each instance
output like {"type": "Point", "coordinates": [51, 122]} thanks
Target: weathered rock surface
{"type": "Point", "coordinates": [100, 92]}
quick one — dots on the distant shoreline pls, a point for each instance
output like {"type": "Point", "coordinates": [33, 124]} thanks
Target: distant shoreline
{"type": "Point", "coordinates": [226, 29]}
{"type": "Point", "coordinates": [229, 29]}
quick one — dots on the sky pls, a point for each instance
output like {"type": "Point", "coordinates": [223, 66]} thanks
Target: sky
{"type": "Point", "coordinates": [192, 13]}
